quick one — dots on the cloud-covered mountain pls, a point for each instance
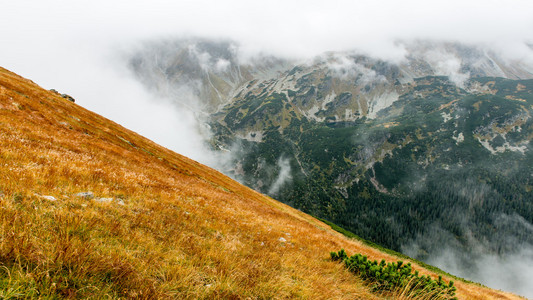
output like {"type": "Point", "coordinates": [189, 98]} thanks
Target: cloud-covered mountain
{"type": "Point", "coordinates": [422, 153]}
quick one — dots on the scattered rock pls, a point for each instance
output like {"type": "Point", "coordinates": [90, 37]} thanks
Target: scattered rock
{"type": "Point", "coordinates": [283, 240]}
{"type": "Point", "coordinates": [86, 195]}
{"type": "Point", "coordinates": [50, 198]}
{"type": "Point", "coordinates": [107, 200]}
{"type": "Point", "coordinates": [66, 96]}
{"type": "Point", "coordinates": [103, 199]}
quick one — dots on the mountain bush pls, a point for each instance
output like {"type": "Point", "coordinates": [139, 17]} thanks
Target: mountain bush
{"type": "Point", "coordinates": [395, 277]}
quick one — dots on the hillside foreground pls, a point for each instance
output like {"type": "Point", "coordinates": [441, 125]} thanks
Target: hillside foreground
{"type": "Point", "coordinates": [89, 209]}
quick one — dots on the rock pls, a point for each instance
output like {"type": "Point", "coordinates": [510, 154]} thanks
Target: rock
{"type": "Point", "coordinates": [107, 200]}
{"type": "Point", "coordinates": [68, 97]}
{"type": "Point", "coordinates": [282, 240]}
{"type": "Point", "coordinates": [86, 195]}
{"type": "Point", "coordinates": [51, 198]}
{"type": "Point", "coordinates": [103, 199]}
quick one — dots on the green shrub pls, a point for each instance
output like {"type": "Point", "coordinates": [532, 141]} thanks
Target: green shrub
{"type": "Point", "coordinates": [394, 276]}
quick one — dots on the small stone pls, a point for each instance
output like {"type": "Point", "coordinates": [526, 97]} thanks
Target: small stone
{"type": "Point", "coordinates": [86, 195]}
{"type": "Point", "coordinates": [120, 202]}
{"type": "Point", "coordinates": [50, 198]}
{"type": "Point", "coordinates": [68, 97]}
{"type": "Point", "coordinates": [103, 199]}
{"type": "Point", "coordinates": [282, 240]}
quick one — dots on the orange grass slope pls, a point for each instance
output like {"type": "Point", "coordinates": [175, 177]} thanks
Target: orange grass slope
{"type": "Point", "coordinates": [155, 225]}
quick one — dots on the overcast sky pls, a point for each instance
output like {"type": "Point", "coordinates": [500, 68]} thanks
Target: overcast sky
{"type": "Point", "coordinates": [75, 46]}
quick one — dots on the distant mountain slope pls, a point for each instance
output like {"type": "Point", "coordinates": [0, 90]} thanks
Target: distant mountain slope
{"type": "Point", "coordinates": [90, 209]}
{"type": "Point", "coordinates": [428, 155]}
{"type": "Point", "coordinates": [442, 169]}
{"type": "Point", "coordinates": [216, 73]}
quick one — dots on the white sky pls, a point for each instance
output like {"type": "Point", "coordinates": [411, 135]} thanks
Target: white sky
{"type": "Point", "coordinates": [74, 46]}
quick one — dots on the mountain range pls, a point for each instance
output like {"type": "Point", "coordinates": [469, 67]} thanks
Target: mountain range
{"type": "Point", "coordinates": [421, 155]}
{"type": "Point", "coordinates": [91, 209]}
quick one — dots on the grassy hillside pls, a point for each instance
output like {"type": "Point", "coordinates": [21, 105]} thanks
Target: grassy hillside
{"type": "Point", "coordinates": [89, 209]}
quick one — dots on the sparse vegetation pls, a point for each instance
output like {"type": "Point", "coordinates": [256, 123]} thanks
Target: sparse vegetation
{"type": "Point", "coordinates": [387, 277]}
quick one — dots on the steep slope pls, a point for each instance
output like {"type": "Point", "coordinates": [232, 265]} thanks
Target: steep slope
{"type": "Point", "coordinates": [90, 209]}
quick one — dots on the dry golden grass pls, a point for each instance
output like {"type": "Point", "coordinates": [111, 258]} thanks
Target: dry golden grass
{"type": "Point", "coordinates": [176, 229]}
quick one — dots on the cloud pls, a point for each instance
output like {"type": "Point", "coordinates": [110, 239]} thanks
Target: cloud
{"type": "Point", "coordinates": [447, 64]}
{"type": "Point", "coordinates": [72, 46]}
{"type": "Point", "coordinates": [284, 176]}
{"type": "Point", "coordinates": [478, 260]}
{"type": "Point", "coordinates": [511, 272]}
{"type": "Point", "coordinates": [344, 66]}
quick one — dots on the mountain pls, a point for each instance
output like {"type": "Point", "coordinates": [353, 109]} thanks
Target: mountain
{"type": "Point", "coordinates": [210, 72]}
{"type": "Point", "coordinates": [428, 153]}
{"type": "Point", "coordinates": [93, 210]}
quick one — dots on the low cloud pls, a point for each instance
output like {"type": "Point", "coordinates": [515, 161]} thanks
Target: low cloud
{"type": "Point", "coordinates": [477, 258]}
{"type": "Point", "coordinates": [72, 47]}
{"type": "Point", "coordinates": [284, 176]}
{"type": "Point", "coordinates": [447, 64]}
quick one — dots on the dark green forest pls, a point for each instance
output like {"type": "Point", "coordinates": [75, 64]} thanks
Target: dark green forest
{"type": "Point", "coordinates": [439, 157]}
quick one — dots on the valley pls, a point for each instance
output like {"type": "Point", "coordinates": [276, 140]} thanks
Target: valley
{"type": "Point", "coordinates": [415, 156]}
